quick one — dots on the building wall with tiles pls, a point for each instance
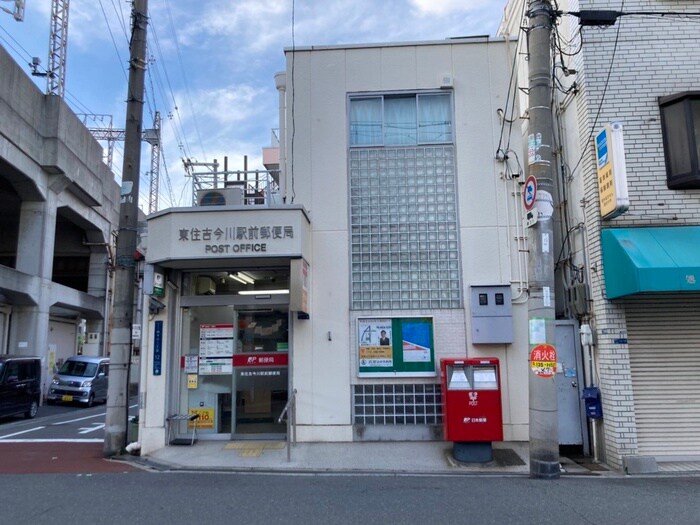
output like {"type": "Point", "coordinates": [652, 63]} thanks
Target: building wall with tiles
{"type": "Point", "coordinates": [334, 402]}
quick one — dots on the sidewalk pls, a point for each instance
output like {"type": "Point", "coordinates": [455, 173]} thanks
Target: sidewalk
{"type": "Point", "coordinates": [402, 458]}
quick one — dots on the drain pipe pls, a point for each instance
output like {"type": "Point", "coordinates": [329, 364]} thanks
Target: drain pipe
{"type": "Point", "coordinates": [281, 85]}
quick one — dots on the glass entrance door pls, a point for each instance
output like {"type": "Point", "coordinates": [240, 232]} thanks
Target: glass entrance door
{"type": "Point", "coordinates": [260, 373]}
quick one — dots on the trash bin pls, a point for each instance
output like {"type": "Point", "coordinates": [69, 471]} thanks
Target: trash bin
{"type": "Point", "coordinates": [133, 430]}
{"type": "Point", "coordinates": [471, 402]}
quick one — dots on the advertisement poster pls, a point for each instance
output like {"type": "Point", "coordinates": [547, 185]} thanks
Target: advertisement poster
{"type": "Point", "coordinates": [375, 343]}
{"type": "Point", "coordinates": [205, 419]}
{"type": "Point", "coordinates": [395, 347]}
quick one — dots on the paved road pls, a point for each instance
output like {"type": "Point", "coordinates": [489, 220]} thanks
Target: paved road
{"type": "Point", "coordinates": [193, 498]}
{"type": "Point", "coordinates": [62, 439]}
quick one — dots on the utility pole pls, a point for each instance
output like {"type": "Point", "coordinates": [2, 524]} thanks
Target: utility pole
{"type": "Point", "coordinates": [120, 346]}
{"type": "Point", "coordinates": [544, 431]}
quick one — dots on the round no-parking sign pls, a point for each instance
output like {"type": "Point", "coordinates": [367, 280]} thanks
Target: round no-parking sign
{"type": "Point", "coordinates": [530, 192]}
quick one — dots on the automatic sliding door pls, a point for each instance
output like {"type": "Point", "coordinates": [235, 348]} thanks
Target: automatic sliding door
{"type": "Point", "coordinates": [261, 373]}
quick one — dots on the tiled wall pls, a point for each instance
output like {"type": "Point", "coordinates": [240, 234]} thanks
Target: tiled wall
{"type": "Point", "coordinates": [404, 235]}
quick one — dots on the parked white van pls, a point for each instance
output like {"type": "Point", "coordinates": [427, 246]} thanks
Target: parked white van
{"type": "Point", "coordinates": [81, 379]}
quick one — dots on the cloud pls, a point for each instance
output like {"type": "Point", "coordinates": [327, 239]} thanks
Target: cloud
{"type": "Point", "coordinates": [229, 104]}
{"type": "Point", "coordinates": [443, 7]}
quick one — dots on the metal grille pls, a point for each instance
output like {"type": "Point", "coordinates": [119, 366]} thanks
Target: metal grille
{"type": "Point", "coordinates": [406, 404]}
{"type": "Point", "coordinates": [404, 235]}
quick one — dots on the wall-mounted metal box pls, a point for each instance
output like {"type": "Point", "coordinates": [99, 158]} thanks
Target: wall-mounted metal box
{"type": "Point", "coordinates": [492, 314]}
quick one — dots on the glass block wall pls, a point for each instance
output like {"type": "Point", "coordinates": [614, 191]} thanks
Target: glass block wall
{"type": "Point", "coordinates": [403, 404]}
{"type": "Point", "coordinates": [404, 235]}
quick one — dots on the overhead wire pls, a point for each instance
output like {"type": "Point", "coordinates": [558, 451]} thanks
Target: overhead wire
{"type": "Point", "coordinates": [184, 77]}
{"type": "Point", "coordinates": [602, 97]}
{"type": "Point", "coordinates": [24, 55]}
{"type": "Point", "coordinates": [114, 42]}
{"type": "Point", "coordinates": [122, 19]}
{"type": "Point", "coordinates": [180, 134]}
{"type": "Point", "coordinates": [505, 119]}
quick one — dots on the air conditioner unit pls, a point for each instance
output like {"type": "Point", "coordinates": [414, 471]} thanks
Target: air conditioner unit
{"type": "Point", "coordinates": [205, 286]}
{"type": "Point", "coordinates": [220, 197]}
{"type": "Point", "coordinates": [446, 81]}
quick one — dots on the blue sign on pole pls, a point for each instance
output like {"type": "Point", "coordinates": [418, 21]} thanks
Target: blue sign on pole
{"type": "Point", "coordinates": [601, 146]}
{"type": "Point", "coordinates": [158, 348]}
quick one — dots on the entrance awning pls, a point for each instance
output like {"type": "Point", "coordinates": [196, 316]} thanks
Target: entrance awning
{"type": "Point", "coordinates": [639, 260]}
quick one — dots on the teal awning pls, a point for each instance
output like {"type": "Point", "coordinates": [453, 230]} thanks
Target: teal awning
{"type": "Point", "coordinates": [639, 260]}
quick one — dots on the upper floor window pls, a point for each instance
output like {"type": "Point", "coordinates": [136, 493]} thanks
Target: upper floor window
{"type": "Point", "coordinates": [680, 124]}
{"type": "Point", "coordinates": [401, 120]}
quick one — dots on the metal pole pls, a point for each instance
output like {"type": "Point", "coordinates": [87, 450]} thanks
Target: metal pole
{"type": "Point", "coordinates": [120, 346]}
{"type": "Point", "coordinates": [544, 431]}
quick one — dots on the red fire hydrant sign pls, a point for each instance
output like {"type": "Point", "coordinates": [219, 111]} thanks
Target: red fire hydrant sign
{"type": "Point", "coordinates": [543, 360]}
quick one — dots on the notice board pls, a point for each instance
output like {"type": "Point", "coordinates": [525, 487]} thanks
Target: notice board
{"type": "Point", "coordinates": [395, 347]}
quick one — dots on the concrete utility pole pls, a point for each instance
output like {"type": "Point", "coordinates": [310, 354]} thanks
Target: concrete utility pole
{"type": "Point", "coordinates": [120, 348]}
{"type": "Point", "coordinates": [544, 431]}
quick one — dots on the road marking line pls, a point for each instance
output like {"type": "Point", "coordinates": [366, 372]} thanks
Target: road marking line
{"type": "Point", "coordinates": [84, 418]}
{"type": "Point", "coordinates": [79, 419]}
{"type": "Point", "coordinates": [52, 441]}
{"type": "Point", "coordinates": [85, 430]}
{"type": "Point", "coordinates": [23, 432]}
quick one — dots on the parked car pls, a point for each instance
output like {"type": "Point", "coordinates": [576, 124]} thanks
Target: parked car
{"type": "Point", "coordinates": [81, 379]}
{"type": "Point", "coordinates": [20, 385]}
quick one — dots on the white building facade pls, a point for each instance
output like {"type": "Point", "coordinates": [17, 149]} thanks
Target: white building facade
{"type": "Point", "coordinates": [394, 226]}
{"type": "Point", "coordinates": [632, 275]}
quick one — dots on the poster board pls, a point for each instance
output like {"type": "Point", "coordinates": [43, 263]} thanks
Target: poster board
{"type": "Point", "coordinates": [395, 347]}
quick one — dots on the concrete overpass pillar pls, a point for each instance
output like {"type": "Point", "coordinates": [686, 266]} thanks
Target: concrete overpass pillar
{"type": "Point", "coordinates": [35, 246]}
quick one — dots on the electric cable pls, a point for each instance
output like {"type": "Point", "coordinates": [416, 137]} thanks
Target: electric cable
{"type": "Point", "coordinates": [512, 82]}
{"type": "Point", "coordinates": [184, 78]}
{"type": "Point", "coordinates": [602, 98]}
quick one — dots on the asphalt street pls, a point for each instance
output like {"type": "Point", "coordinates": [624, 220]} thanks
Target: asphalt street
{"type": "Point", "coordinates": [191, 498]}
{"type": "Point", "coordinates": [49, 478]}
{"type": "Point", "coordinates": [61, 439]}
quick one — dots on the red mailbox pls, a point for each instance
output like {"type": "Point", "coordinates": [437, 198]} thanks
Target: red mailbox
{"type": "Point", "coordinates": [471, 406]}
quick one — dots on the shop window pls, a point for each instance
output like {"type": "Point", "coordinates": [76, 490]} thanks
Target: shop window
{"type": "Point", "coordinates": [680, 123]}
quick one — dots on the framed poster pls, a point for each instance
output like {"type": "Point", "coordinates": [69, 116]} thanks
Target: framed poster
{"type": "Point", "coordinates": [395, 347]}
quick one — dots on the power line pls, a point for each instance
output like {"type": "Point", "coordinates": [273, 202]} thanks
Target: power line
{"type": "Point", "coordinates": [602, 98]}
{"type": "Point", "coordinates": [114, 42]}
{"type": "Point", "coordinates": [184, 77]}
{"type": "Point", "coordinates": [182, 140]}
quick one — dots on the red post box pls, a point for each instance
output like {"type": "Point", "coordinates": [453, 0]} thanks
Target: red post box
{"type": "Point", "coordinates": [472, 417]}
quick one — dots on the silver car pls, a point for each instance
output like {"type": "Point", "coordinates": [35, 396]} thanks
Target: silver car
{"type": "Point", "coordinates": [81, 379]}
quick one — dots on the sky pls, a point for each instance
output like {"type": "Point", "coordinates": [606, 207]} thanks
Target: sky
{"type": "Point", "coordinates": [212, 64]}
